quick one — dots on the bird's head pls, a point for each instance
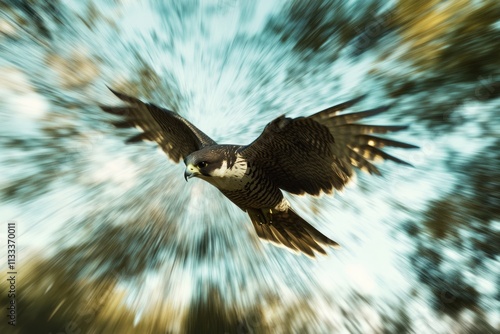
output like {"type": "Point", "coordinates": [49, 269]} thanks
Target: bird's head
{"type": "Point", "coordinates": [203, 163]}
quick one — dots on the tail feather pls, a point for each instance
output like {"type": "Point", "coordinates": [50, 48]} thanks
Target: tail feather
{"type": "Point", "coordinates": [285, 228]}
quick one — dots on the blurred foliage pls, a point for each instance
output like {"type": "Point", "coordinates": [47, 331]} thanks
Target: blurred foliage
{"type": "Point", "coordinates": [115, 253]}
{"type": "Point", "coordinates": [323, 24]}
{"type": "Point", "coordinates": [52, 299]}
{"type": "Point", "coordinates": [455, 41]}
{"type": "Point", "coordinates": [209, 314]}
{"type": "Point", "coordinates": [35, 17]}
{"type": "Point", "coordinates": [450, 292]}
{"type": "Point", "coordinates": [452, 47]}
{"type": "Point", "coordinates": [474, 204]}
{"type": "Point", "coordinates": [463, 219]}
{"type": "Point", "coordinates": [481, 182]}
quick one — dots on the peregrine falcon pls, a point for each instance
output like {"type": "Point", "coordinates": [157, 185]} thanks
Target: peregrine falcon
{"type": "Point", "coordinates": [303, 155]}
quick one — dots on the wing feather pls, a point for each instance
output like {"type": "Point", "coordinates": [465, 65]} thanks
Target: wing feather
{"type": "Point", "coordinates": [175, 135]}
{"type": "Point", "coordinates": [282, 239]}
{"type": "Point", "coordinates": [285, 228]}
{"type": "Point", "coordinates": [317, 153]}
{"type": "Point", "coordinates": [367, 129]}
{"type": "Point", "coordinates": [138, 138]}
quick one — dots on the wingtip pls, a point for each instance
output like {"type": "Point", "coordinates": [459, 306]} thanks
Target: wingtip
{"type": "Point", "coordinates": [117, 94]}
{"type": "Point", "coordinates": [112, 90]}
{"type": "Point", "coordinates": [122, 96]}
{"type": "Point", "coordinates": [350, 103]}
{"type": "Point", "coordinates": [359, 98]}
{"type": "Point", "coordinates": [112, 110]}
{"type": "Point", "coordinates": [407, 164]}
{"type": "Point", "coordinates": [329, 243]}
{"type": "Point", "coordinates": [387, 106]}
{"type": "Point", "coordinates": [317, 253]}
{"type": "Point", "coordinates": [335, 246]}
{"type": "Point", "coordinates": [413, 147]}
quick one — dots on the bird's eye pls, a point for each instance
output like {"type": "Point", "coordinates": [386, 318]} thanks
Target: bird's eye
{"type": "Point", "coordinates": [202, 164]}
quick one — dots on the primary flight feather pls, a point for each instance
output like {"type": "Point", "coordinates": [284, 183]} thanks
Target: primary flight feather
{"type": "Point", "coordinates": [299, 155]}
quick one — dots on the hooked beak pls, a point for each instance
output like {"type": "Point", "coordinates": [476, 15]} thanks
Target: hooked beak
{"type": "Point", "coordinates": [191, 171]}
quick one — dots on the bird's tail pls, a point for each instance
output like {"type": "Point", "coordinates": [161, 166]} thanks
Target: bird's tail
{"type": "Point", "coordinates": [286, 228]}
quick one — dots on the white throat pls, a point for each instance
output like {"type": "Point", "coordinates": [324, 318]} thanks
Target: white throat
{"type": "Point", "coordinates": [230, 178]}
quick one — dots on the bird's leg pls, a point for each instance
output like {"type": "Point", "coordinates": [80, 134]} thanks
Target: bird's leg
{"type": "Point", "coordinates": [264, 215]}
{"type": "Point", "coordinates": [267, 215]}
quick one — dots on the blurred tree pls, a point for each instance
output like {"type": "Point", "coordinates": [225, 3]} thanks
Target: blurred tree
{"type": "Point", "coordinates": [462, 222]}
{"type": "Point", "coordinates": [452, 47]}
{"type": "Point", "coordinates": [326, 25]}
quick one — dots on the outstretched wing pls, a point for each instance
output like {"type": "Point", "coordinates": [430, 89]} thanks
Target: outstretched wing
{"type": "Point", "coordinates": [176, 136]}
{"type": "Point", "coordinates": [318, 153]}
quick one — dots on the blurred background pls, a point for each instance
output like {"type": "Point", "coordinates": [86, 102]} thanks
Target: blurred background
{"type": "Point", "coordinates": [111, 239]}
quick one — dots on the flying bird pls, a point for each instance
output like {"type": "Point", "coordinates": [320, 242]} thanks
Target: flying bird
{"type": "Point", "coordinates": [303, 155]}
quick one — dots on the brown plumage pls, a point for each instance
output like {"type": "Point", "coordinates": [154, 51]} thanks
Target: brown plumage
{"type": "Point", "coordinates": [299, 155]}
{"type": "Point", "coordinates": [175, 135]}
